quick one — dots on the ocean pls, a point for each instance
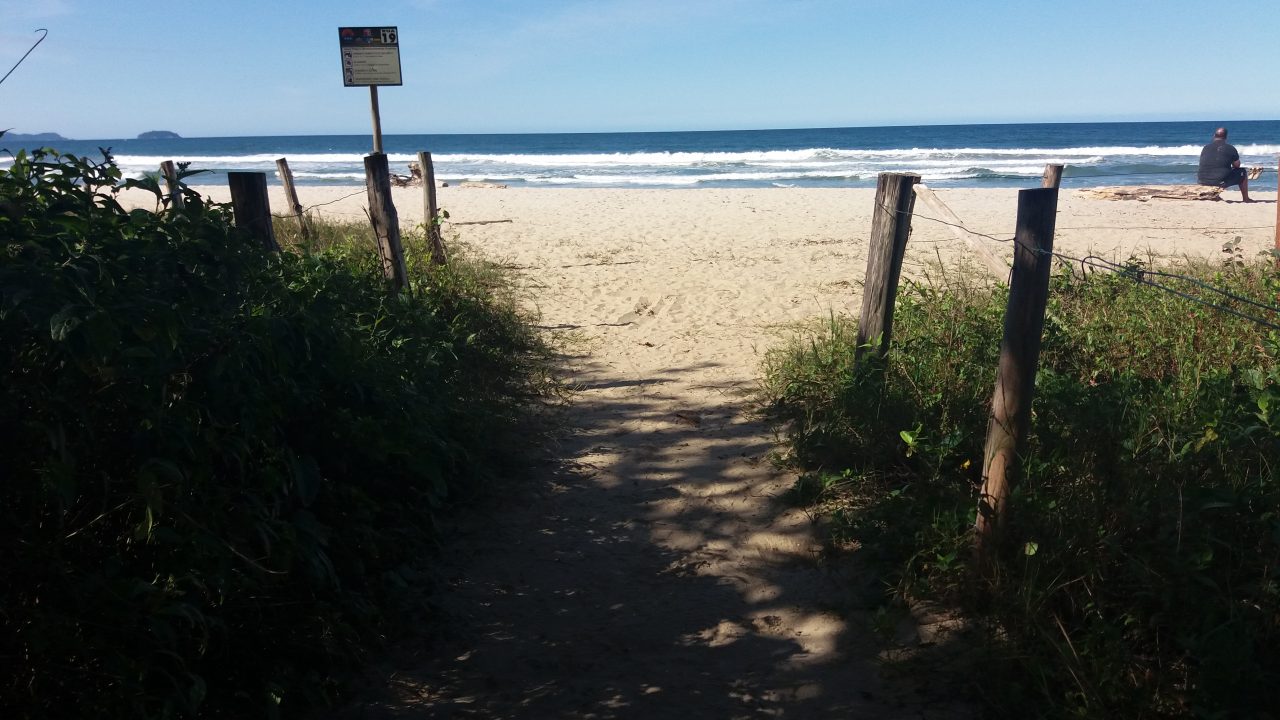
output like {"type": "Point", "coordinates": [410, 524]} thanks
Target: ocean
{"type": "Point", "coordinates": [944, 155]}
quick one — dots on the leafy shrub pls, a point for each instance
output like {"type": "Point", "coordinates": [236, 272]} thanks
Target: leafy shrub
{"type": "Point", "coordinates": [222, 465]}
{"type": "Point", "coordinates": [1140, 579]}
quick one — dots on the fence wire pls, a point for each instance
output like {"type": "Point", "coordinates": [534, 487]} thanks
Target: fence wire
{"type": "Point", "coordinates": [1137, 274]}
{"type": "Point", "coordinates": [309, 208]}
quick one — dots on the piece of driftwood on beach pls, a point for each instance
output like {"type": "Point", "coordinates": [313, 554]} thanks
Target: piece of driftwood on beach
{"type": "Point", "coordinates": [413, 178]}
{"type": "Point", "coordinates": [998, 267]}
{"type": "Point", "coordinates": [1163, 192]}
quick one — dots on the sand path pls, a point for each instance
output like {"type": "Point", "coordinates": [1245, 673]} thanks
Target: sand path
{"type": "Point", "coordinates": [646, 570]}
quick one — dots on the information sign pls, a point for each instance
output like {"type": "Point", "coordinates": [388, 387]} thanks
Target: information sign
{"type": "Point", "coordinates": [370, 56]}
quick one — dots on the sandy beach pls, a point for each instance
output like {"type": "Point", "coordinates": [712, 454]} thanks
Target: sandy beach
{"type": "Point", "coordinates": [723, 267]}
{"type": "Point", "coordinates": [648, 567]}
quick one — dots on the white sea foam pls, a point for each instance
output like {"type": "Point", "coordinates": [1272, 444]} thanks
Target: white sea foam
{"type": "Point", "coordinates": [819, 165]}
{"type": "Point", "coordinates": [329, 175]}
{"type": "Point", "coordinates": [258, 158]}
{"type": "Point", "coordinates": [828, 155]}
{"type": "Point", "coordinates": [810, 157]}
{"type": "Point", "coordinates": [779, 178]}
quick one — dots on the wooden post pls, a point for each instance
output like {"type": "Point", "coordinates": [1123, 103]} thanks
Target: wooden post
{"type": "Point", "coordinates": [377, 119]}
{"type": "Point", "coordinates": [890, 226]}
{"type": "Point", "coordinates": [385, 220]}
{"type": "Point", "coordinates": [1019, 356]}
{"type": "Point", "coordinates": [251, 206]}
{"type": "Point", "coordinates": [1277, 245]}
{"type": "Point", "coordinates": [170, 173]}
{"type": "Point", "coordinates": [429, 206]}
{"type": "Point", "coordinates": [1052, 176]}
{"type": "Point", "coordinates": [291, 197]}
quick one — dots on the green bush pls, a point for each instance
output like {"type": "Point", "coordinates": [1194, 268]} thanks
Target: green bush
{"type": "Point", "coordinates": [1140, 576]}
{"type": "Point", "coordinates": [221, 465]}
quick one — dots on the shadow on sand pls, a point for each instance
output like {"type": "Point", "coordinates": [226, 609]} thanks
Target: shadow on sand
{"type": "Point", "coordinates": [644, 571]}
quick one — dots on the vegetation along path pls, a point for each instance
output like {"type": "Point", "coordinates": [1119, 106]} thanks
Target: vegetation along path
{"type": "Point", "coordinates": [648, 571]}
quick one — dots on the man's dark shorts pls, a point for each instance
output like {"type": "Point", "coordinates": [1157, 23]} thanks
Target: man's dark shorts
{"type": "Point", "coordinates": [1235, 176]}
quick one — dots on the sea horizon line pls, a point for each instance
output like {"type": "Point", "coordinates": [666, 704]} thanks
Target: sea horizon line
{"type": "Point", "coordinates": [813, 128]}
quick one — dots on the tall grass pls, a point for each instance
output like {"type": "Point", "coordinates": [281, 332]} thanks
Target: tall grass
{"type": "Point", "coordinates": [222, 467]}
{"type": "Point", "coordinates": [1140, 579]}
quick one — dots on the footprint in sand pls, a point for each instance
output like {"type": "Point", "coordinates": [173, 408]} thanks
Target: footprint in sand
{"type": "Point", "coordinates": [635, 316]}
{"type": "Point", "coordinates": [646, 312]}
{"type": "Point", "coordinates": [676, 305]}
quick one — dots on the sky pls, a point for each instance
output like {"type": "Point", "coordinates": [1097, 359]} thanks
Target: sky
{"type": "Point", "coordinates": [115, 68]}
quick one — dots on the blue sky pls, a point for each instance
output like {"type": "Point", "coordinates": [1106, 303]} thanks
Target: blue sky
{"type": "Point", "coordinates": [115, 68]}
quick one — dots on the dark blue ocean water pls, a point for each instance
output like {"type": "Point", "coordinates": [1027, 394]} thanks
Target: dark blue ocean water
{"type": "Point", "coordinates": [945, 155]}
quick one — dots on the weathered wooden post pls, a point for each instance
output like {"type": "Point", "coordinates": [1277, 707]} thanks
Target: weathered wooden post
{"type": "Point", "coordinates": [429, 206]}
{"type": "Point", "coordinates": [890, 226]}
{"type": "Point", "coordinates": [377, 116]}
{"type": "Point", "coordinates": [170, 173]}
{"type": "Point", "coordinates": [1019, 356]}
{"type": "Point", "coordinates": [1277, 245]}
{"type": "Point", "coordinates": [385, 220]}
{"type": "Point", "coordinates": [291, 197]}
{"type": "Point", "coordinates": [1052, 176]}
{"type": "Point", "coordinates": [251, 206]}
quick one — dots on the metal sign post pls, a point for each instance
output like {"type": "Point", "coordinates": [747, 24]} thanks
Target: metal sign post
{"type": "Point", "coordinates": [370, 57]}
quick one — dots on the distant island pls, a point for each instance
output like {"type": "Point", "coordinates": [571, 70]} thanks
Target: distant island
{"type": "Point", "coordinates": [33, 137]}
{"type": "Point", "coordinates": [159, 135]}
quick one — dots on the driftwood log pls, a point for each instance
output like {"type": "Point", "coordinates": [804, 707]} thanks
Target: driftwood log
{"type": "Point", "coordinates": [413, 178]}
{"type": "Point", "coordinates": [998, 267]}
{"type": "Point", "coordinates": [1163, 192]}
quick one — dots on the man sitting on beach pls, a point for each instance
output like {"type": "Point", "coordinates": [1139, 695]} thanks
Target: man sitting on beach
{"type": "Point", "coordinates": [1220, 165]}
